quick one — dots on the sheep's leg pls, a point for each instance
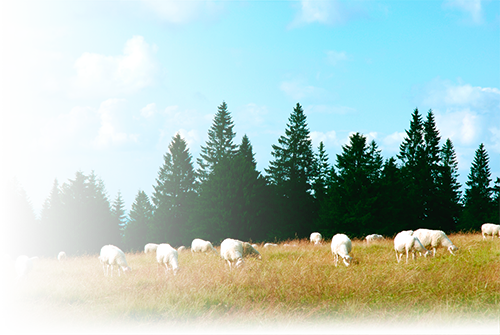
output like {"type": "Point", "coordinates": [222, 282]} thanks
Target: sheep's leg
{"type": "Point", "coordinates": [433, 251]}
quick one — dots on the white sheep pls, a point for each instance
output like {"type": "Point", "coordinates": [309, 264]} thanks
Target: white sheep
{"type": "Point", "coordinates": [341, 246]}
{"type": "Point", "coordinates": [181, 248]}
{"type": "Point", "coordinates": [490, 229]}
{"type": "Point", "coordinates": [110, 256]}
{"type": "Point", "coordinates": [316, 238]}
{"type": "Point", "coordinates": [373, 238]}
{"type": "Point", "coordinates": [199, 245]}
{"type": "Point", "coordinates": [6, 259]}
{"type": "Point", "coordinates": [24, 265]}
{"type": "Point", "coordinates": [267, 245]}
{"type": "Point", "coordinates": [434, 239]}
{"type": "Point", "coordinates": [150, 247]}
{"type": "Point", "coordinates": [233, 251]}
{"type": "Point", "coordinates": [168, 256]}
{"type": "Point", "coordinates": [405, 242]}
{"type": "Point", "coordinates": [61, 256]}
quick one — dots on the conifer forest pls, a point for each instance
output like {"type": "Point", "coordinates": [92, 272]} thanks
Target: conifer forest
{"type": "Point", "coordinates": [221, 193]}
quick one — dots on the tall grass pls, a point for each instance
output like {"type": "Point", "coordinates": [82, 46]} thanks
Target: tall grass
{"type": "Point", "coordinates": [291, 285]}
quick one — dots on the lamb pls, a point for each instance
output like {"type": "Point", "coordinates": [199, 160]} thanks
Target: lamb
{"type": "Point", "coordinates": [168, 256]}
{"type": "Point", "coordinates": [150, 247]}
{"type": "Point", "coordinates": [435, 239]}
{"type": "Point", "coordinates": [111, 255]}
{"type": "Point", "coordinates": [341, 246]}
{"type": "Point", "coordinates": [406, 242]}
{"type": "Point", "coordinates": [24, 265]}
{"type": "Point", "coordinates": [490, 229]}
{"type": "Point", "coordinates": [267, 245]}
{"type": "Point", "coordinates": [61, 256]}
{"type": "Point", "coordinates": [373, 238]}
{"type": "Point", "coordinates": [233, 252]}
{"type": "Point", "coordinates": [6, 259]}
{"type": "Point", "coordinates": [199, 245]}
{"type": "Point", "coordinates": [181, 248]}
{"type": "Point", "coordinates": [316, 238]}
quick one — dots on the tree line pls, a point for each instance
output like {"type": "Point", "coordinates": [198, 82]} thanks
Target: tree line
{"type": "Point", "coordinates": [298, 193]}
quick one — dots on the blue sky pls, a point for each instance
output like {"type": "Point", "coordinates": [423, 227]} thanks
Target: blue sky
{"type": "Point", "coordinates": [105, 85]}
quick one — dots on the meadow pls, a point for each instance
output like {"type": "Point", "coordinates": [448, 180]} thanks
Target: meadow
{"type": "Point", "coordinates": [291, 290]}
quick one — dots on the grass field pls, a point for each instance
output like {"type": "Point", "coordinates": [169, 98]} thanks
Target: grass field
{"type": "Point", "coordinates": [291, 290]}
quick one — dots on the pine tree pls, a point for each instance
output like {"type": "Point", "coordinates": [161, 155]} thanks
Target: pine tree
{"type": "Point", "coordinates": [478, 200]}
{"type": "Point", "coordinates": [135, 233]}
{"type": "Point", "coordinates": [449, 188]}
{"type": "Point", "coordinates": [173, 195]}
{"type": "Point", "coordinates": [292, 174]}
{"type": "Point", "coordinates": [19, 226]}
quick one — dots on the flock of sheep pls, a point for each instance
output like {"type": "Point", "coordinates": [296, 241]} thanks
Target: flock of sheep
{"type": "Point", "coordinates": [234, 251]}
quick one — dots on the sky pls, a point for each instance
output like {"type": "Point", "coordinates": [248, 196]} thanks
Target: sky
{"type": "Point", "coordinates": [103, 86]}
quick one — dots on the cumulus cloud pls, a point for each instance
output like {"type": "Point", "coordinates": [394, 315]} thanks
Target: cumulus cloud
{"type": "Point", "coordinates": [297, 90]}
{"type": "Point", "coordinates": [111, 131]}
{"type": "Point", "coordinates": [328, 138]}
{"type": "Point", "coordinates": [149, 110]}
{"type": "Point", "coordinates": [391, 143]}
{"type": "Point", "coordinates": [470, 7]}
{"type": "Point", "coordinates": [21, 56]}
{"type": "Point", "coordinates": [328, 12]}
{"type": "Point", "coordinates": [135, 69]}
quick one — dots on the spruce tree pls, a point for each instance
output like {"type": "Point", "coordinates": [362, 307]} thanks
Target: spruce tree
{"type": "Point", "coordinates": [449, 188]}
{"type": "Point", "coordinates": [478, 200]}
{"type": "Point", "coordinates": [19, 228]}
{"type": "Point", "coordinates": [52, 222]}
{"type": "Point", "coordinates": [322, 172]}
{"type": "Point", "coordinates": [173, 195]}
{"type": "Point", "coordinates": [292, 174]}
{"type": "Point", "coordinates": [135, 233]}
{"type": "Point", "coordinates": [118, 211]}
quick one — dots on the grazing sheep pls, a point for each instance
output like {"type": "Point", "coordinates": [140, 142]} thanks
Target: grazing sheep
{"type": "Point", "coordinates": [181, 248]}
{"type": "Point", "coordinates": [6, 259]}
{"type": "Point", "coordinates": [490, 229]}
{"type": "Point", "coordinates": [199, 245]}
{"type": "Point", "coordinates": [61, 256]}
{"type": "Point", "coordinates": [406, 242]}
{"type": "Point", "coordinates": [267, 245]}
{"type": "Point", "coordinates": [316, 238]}
{"type": "Point", "coordinates": [341, 246]}
{"type": "Point", "coordinates": [233, 251]}
{"type": "Point", "coordinates": [150, 247]}
{"type": "Point", "coordinates": [168, 256]}
{"type": "Point", "coordinates": [373, 238]}
{"type": "Point", "coordinates": [435, 239]}
{"type": "Point", "coordinates": [111, 255]}
{"type": "Point", "coordinates": [254, 245]}
{"type": "Point", "coordinates": [24, 265]}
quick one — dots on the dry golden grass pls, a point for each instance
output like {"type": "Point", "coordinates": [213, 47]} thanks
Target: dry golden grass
{"type": "Point", "coordinates": [291, 285]}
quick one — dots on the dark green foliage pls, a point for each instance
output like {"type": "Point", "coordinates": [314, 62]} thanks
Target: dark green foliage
{"type": "Point", "coordinates": [449, 187]}
{"type": "Point", "coordinates": [292, 173]}
{"type": "Point", "coordinates": [118, 211]}
{"type": "Point", "coordinates": [479, 206]}
{"type": "Point", "coordinates": [19, 229]}
{"type": "Point", "coordinates": [135, 232]}
{"type": "Point", "coordinates": [173, 196]}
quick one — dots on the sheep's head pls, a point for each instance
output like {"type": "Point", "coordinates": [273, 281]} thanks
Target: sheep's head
{"type": "Point", "coordinates": [452, 248]}
{"type": "Point", "coordinates": [347, 260]}
{"type": "Point", "coordinates": [127, 269]}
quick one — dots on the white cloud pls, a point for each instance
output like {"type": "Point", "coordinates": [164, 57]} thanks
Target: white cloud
{"type": "Point", "coordinates": [329, 12]}
{"type": "Point", "coordinates": [391, 143]}
{"type": "Point", "coordinates": [180, 12]}
{"type": "Point", "coordinates": [251, 115]}
{"type": "Point", "coordinates": [113, 75]}
{"type": "Point", "coordinates": [149, 110]}
{"type": "Point", "coordinates": [68, 131]}
{"type": "Point", "coordinates": [471, 7]}
{"type": "Point", "coordinates": [334, 57]}
{"type": "Point", "coordinates": [296, 90]}
{"type": "Point", "coordinates": [328, 138]}
{"type": "Point", "coordinates": [111, 130]}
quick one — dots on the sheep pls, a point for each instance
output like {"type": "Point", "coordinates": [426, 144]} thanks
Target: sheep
{"type": "Point", "coordinates": [181, 248]}
{"type": "Point", "coordinates": [168, 256]}
{"type": "Point", "coordinates": [111, 255]}
{"type": "Point", "coordinates": [406, 242]}
{"type": "Point", "coordinates": [341, 246]}
{"type": "Point", "coordinates": [233, 252]}
{"type": "Point", "coordinates": [435, 239]}
{"type": "Point", "coordinates": [150, 247]}
{"type": "Point", "coordinates": [199, 245]}
{"type": "Point", "coordinates": [61, 256]}
{"type": "Point", "coordinates": [254, 245]}
{"type": "Point", "coordinates": [490, 229]}
{"type": "Point", "coordinates": [373, 238]}
{"type": "Point", "coordinates": [24, 265]}
{"type": "Point", "coordinates": [316, 238]}
{"type": "Point", "coordinates": [6, 259]}
{"type": "Point", "coordinates": [267, 245]}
